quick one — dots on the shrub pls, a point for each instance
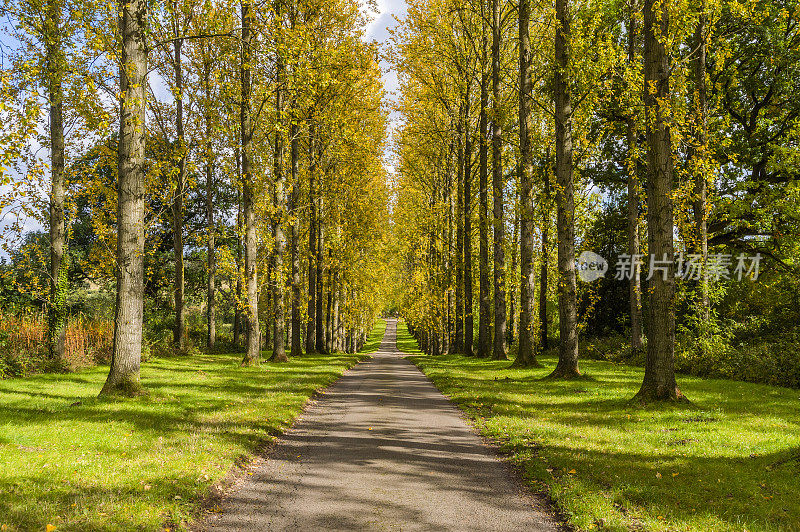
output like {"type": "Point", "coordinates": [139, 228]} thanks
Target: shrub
{"type": "Point", "coordinates": [23, 344]}
{"type": "Point", "coordinates": [771, 360]}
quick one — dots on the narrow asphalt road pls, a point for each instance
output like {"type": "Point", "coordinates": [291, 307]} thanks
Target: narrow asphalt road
{"type": "Point", "coordinates": [381, 450]}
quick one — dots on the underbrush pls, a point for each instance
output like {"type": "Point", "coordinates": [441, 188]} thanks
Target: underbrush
{"type": "Point", "coordinates": [773, 360]}
{"type": "Point", "coordinates": [89, 341]}
{"type": "Point", "coordinates": [23, 344]}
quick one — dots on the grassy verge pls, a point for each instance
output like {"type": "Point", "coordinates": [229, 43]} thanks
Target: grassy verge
{"type": "Point", "coordinates": [76, 462]}
{"type": "Point", "coordinates": [375, 337]}
{"type": "Point", "coordinates": [729, 462]}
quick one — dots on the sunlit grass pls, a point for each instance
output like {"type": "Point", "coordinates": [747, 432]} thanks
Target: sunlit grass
{"type": "Point", "coordinates": [730, 461]}
{"type": "Point", "coordinates": [75, 461]}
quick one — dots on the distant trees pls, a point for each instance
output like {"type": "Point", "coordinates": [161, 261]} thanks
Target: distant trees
{"type": "Point", "coordinates": [596, 84]}
{"type": "Point", "coordinates": [277, 215]}
{"type": "Point", "coordinates": [298, 115]}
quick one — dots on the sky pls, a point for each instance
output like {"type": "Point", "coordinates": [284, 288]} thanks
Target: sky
{"type": "Point", "coordinates": [378, 30]}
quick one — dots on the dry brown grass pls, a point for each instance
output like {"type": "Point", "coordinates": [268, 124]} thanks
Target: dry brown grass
{"type": "Point", "coordinates": [23, 341]}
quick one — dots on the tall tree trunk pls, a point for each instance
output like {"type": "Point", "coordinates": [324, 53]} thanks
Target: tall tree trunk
{"type": "Point", "coordinates": [296, 320]}
{"type": "Point", "coordinates": [59, 264]}
{"type": "Point", "coordinates": [635, 284]}
{"type": "Point", "coordinates": [544, 331]}
{"type": "Point", "coordinates": [123, 376]}
{"type": "Point", "coordinates": [512, 291]}
{"type": "Point", "coordinates": [297, 340]}
{"type": "Point", "coordinates": [177, 202]}
{"type": "Point", "coordinates": [499, 351]}
{"type": "Point", "coordinates": [336, 325]}
{"type": "Point", "coordinates": [311, 324]}
{"type": "Point", "coordinates": [659, 375]}
{"type": "Point", "coordinates": [329, 313]}
{"type": "Point", "coordinates": [268, 300]}
{"type": "Point", "coordinates": [526, 355]}
{"type": "Point", "coordinates": [248, 208]}
{"type": "Point", "coordinates": [458, 340]}
{"type": "Point", "coordinates": [237, 313]}
{"type": "Point", "coordinates": [447, 255]}
{"type": "Point", "coordinates": [565, 201]}
{"type": "Point", "coordinates": [279, 199]}
{"type": "Point", "coordinates": [468, 320]}
{"type": "Point", "coordinates": [698, 154]}
{"type": "Point", "coordinates": [320, 343]}
{"type": "Point", "coordinates": [484, 317]}
{"type": "Point", "coordinates": [211, 338]}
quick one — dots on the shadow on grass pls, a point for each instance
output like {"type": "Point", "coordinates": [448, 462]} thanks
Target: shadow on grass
{"type": "Point", "coordinates": [729, 461]}
{"type": "Point", "coordinates": [81, 462]}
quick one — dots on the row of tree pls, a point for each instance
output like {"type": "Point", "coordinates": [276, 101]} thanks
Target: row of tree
{"type": "Point", "coordinates": [543, 112]}
{"type": "Point", "coordinates": [251, 135]}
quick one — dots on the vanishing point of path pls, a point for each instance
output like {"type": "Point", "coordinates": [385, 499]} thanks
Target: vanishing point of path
{"type": "Point", "coordinates": [381, 450]}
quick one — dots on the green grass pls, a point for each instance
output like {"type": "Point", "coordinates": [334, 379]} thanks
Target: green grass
{"type": "Point", "coordinates": [405, 342]}
{"type": "Point", "coordinates": [134, 464]}
{"type": "Point", "coordinates": [730, 461]}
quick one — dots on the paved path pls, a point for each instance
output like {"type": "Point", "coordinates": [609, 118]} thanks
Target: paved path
{"type": "Point", "coordinates": [381, 450]}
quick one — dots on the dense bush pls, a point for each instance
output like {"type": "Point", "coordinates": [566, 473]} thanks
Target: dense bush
{"type": "Point", "coordinates": [774, 360]}
{"type": "Point", "coordinates": [23, 344]}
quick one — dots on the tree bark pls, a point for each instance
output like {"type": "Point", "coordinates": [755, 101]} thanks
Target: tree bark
{"type": "Point", "coordinates": [484, 317]}
{"type": "Point", "coordinates": [526, 354]}
{"type": "Point", "coordinates": [510, 276]}
{"type": "Point", "coordinates": [458, 340]}
{"type": "Point", "coordinates": [499, 351]}
{"type": "Point", "coordinates": [123, 376]}
{"type": "Point", "coordinates": [467, 204]}
{"type": "Point", "coordinates": [336, 325]}
{"type": "Point", "coordinates": [446, 262]}
{"type": "Point", "coordinates": [311, 324]}
{"type": "Point", "coordinates": [268, 300]}
{"type": "Point", "coordinates": [635, 284]}
{"type": "Point", "coordinates": [297, 340]}
{"type": "Point", "coordinates": [211, 338]}
{"type": "Point", "coordinates": [248, 208]}
{"type": "Point", "coordinates": [544, 343]}
{"type": "Point", "coordinates": [59, 264]}
{"type": "Point", "coordinates": [698, 155]}
{"type": "Point", "coordinates": [177, 201]}
{"type": "Point", "coordinates": [329, 313]}
{"type": "Point", "coordinates": [567, 366]}
{"type": "Point", "coordinates": [237, 326]}
{"type": "Point", "coordinates": [321, 345]}
{"type": "Point", "coordinates": [659, 375]}
{"type": "Point", "coordinates": [279, 199]}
